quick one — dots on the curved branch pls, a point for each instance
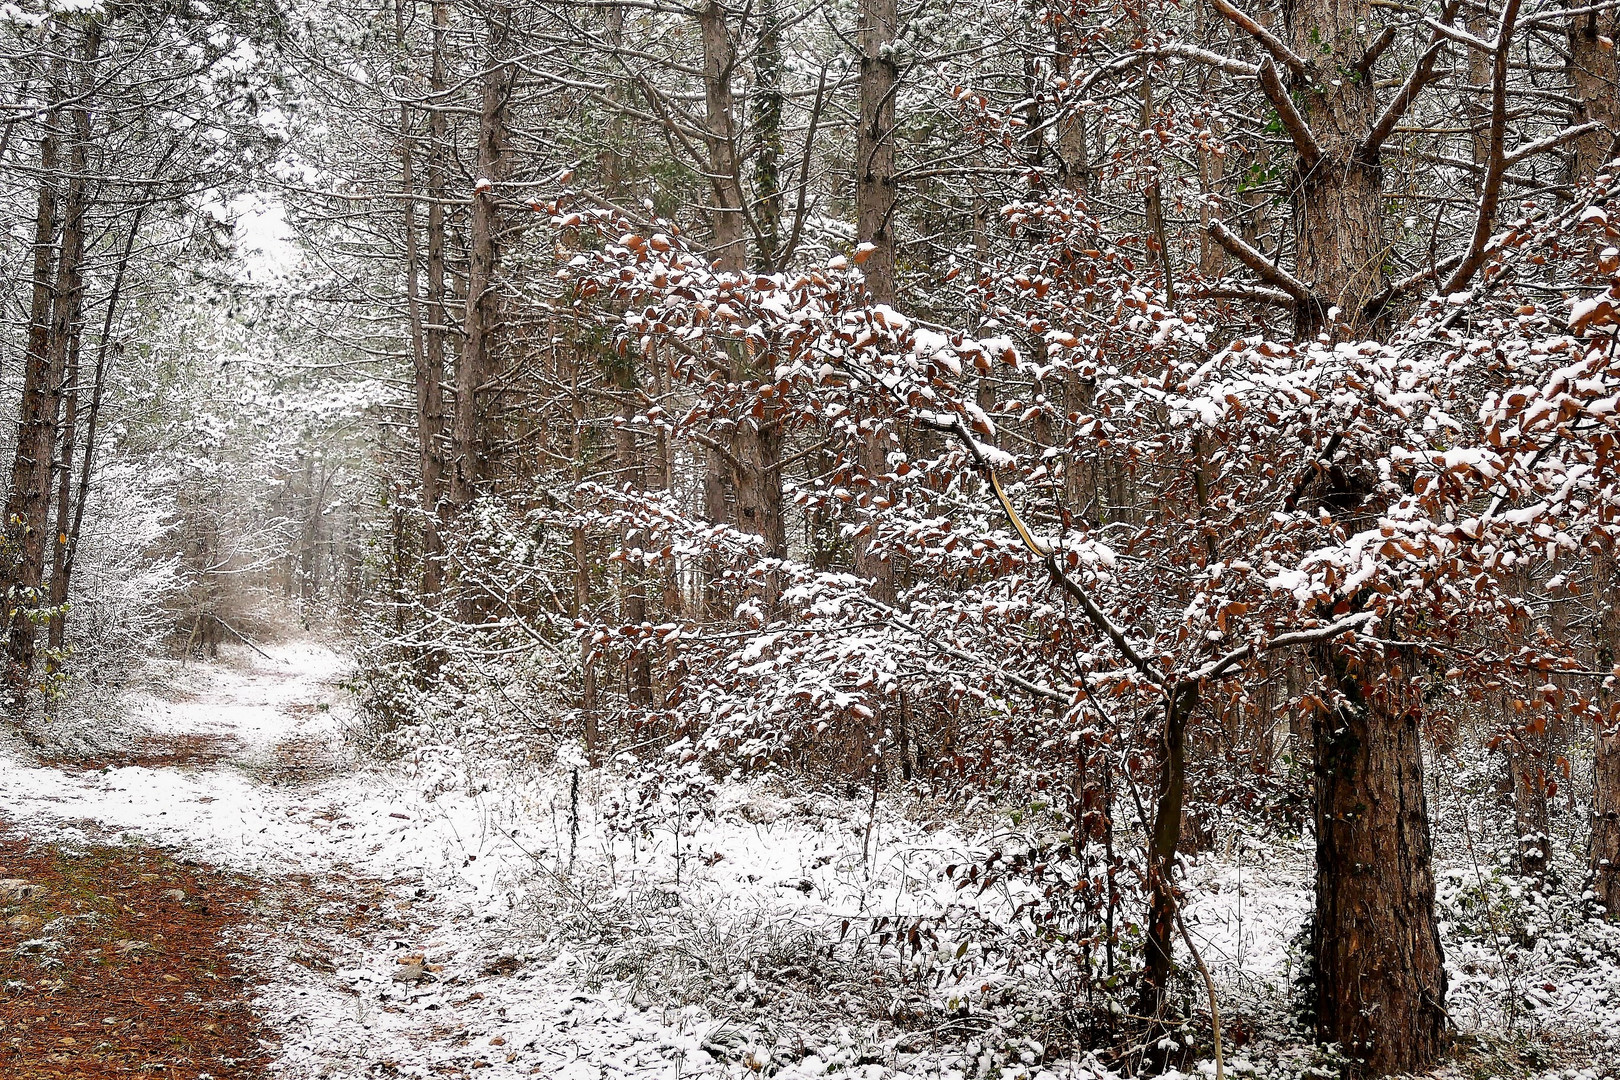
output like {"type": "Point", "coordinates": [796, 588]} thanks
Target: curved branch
{"type": "Point", "coordinates": [1310, 152]}
{"type": "Point", "coordinates": [1261, 265]}
{"type": "Point", "coordinates": [1496, 162]}
{"type": "Point", "coordinates": [1273, 44]}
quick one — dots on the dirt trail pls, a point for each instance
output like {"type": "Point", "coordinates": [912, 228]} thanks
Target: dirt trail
{"type": "Point", "coordinates": [362, 921]}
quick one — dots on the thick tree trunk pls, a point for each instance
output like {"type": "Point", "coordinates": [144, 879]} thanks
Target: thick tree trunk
{"type": "Point", "coordinates": [757, 447]}
{"type": "Point", "coordinates": [1594, 75]}
{"type": "Point", "coordinates": [752, 477]}
{"type": "Point", "coordinates": [53, 312]}
{"type": "Point", "coordinates": [873, 455]}
{"type": "Point", "coordinates": [726, 224]}
{"type": "Point", "coordinates": [470, 431]}
{"type": "Point", "coordinates": [631, 473]}
{"type": "Point", "coordinates": [1381, 985]}
{"type": "Point", "coordinates": [1338, 204]}
{"type": "Point", "coordinates": [22, 554]}
{"type": "Point", "coordinates": [1606, 750]}
{"type": "Point", "coordinates": [719, 66]}
{"type": "Point", "coordinates": [874, 145]}
{"type": "Point", "coordinates": [875, 198]}
{"type": "Point", "coordinates": [427, 338]}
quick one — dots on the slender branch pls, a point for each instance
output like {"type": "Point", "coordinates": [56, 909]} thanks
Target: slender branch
{"type": "Point", "coordinates": [1274, 45]}
{"type": "Point", "coordinates": [1369, 59]}
{"type": "Point", "coordinates": [1323, 460]}
{"type": "Point", "coordinates": [1229, 290]}
{"type": "Point", "coordinates": [1261, 265]}
{"type": "Point", "coordinates": [1461, 36]}
{"type": "Point", "coordinates": [1221, 665]}
{"type": "Point", "coordinates": [1310, 152]}
{"type": "Point", "coordinates": [1491, 187]}
{"type": "Point", "coordinates": [1229, 64]}
{"type": "Point", "coordinates": [1552, 141]}
{"type": "Point", "coordinates": [1176, 50]}
{"type": "Point", "coordinates": [1209, 988]}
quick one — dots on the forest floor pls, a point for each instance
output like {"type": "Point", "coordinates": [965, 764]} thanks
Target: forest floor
{"type": "Point", "coordinates": [217, 886]}
{"type": "Point", "coordinates": [217, 889]}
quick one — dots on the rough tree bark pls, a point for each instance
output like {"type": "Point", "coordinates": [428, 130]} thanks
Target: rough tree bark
{"type": "Point", "coordinates": [767, 107]}
{"type": "Point", "coordinates": [1338, 200]}
{"type": "Point", "coordinates": [1381, 986]}
{"type": "Point", "coordinates": [1594, 75]}
{"type": "Point", "coordinates": [67, 323]}
{"type": "Point", "coordinates": [874, 145]}
{"type": "Point", "coordinates": [719, 66]}
{"type": "Point", "coordinates": [470, 431]}
{"type": "Point", "coordinates": [875, 199]}
{"type": "Point", "coordinates": [22, 554]}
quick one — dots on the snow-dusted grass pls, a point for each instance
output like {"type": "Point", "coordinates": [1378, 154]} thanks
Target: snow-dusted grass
{"type": "Point", "coordinates": [565, 929]}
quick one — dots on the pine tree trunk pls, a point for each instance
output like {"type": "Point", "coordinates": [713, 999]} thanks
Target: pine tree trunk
{"type": "Point", "coordinates": [67, 329]}
{"type": "Point", "coordinates": [438, 315]}
{"type": "Point", "coordinates": [767, 105]}
{"type": "Point", "coordinates": [427, 343]}
{"type": "Point", "coordinates": [1594, 75]}
{"type": "Point", "coordinates": [22, 554]}
{"type": "Point", "coordinates": [1606, 749]}
{"type": "Point", "coordinates": [1381, 985]}
{"type": "Point", "coordinates": [471, 428]}
{"type": "Point", "coordinates": [719, 64]}
{"type": "Point", "coordinates": [1338, 204]}
{"type": "Point", "coordinates": [874, 145]}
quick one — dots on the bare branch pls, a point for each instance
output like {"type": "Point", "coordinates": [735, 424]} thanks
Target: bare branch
{"type": "Point", "coordinates": [1304, 139]}
{"type": "Point", "coordinates": [1369, 59]}
{"type": "Point", "coordinates": [1421, 75]}
{"type": "Point", "coordinates": [1232, 290]}
{"type": "Point", "coordinates": [1220, 666]}
{"type": "Point", "coordinates": [1229, 64]}
{"type": "Point", "coordinates": [1552, 141]}
{"type": "Point", "coordinates": [1261, 265]}
{"type": "Point", "coordinates": [1496, 160]}
{"type": "Point", "coordinates": [1274, 45]}
{"type": "Point", "coordinates": [1461, 36]}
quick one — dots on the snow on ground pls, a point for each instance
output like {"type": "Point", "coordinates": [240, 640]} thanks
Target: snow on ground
{"type": "Point", "coordinates": [538, 945]}
{"type": "Point", "coordinates": [410, 861]}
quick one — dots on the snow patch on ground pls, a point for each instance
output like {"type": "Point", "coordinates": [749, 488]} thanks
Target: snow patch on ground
{"type": "Point", "coordinates": [546, 929]}
{"type": "Point", "coordinates": [409, 862]}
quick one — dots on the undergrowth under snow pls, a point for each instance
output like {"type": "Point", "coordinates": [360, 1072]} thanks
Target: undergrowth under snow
{"type": "Point", "coordinates": [564, 921]}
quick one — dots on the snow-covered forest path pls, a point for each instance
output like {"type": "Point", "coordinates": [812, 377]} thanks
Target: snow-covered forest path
{"type": "Point", "coordinates": [383, 945]}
